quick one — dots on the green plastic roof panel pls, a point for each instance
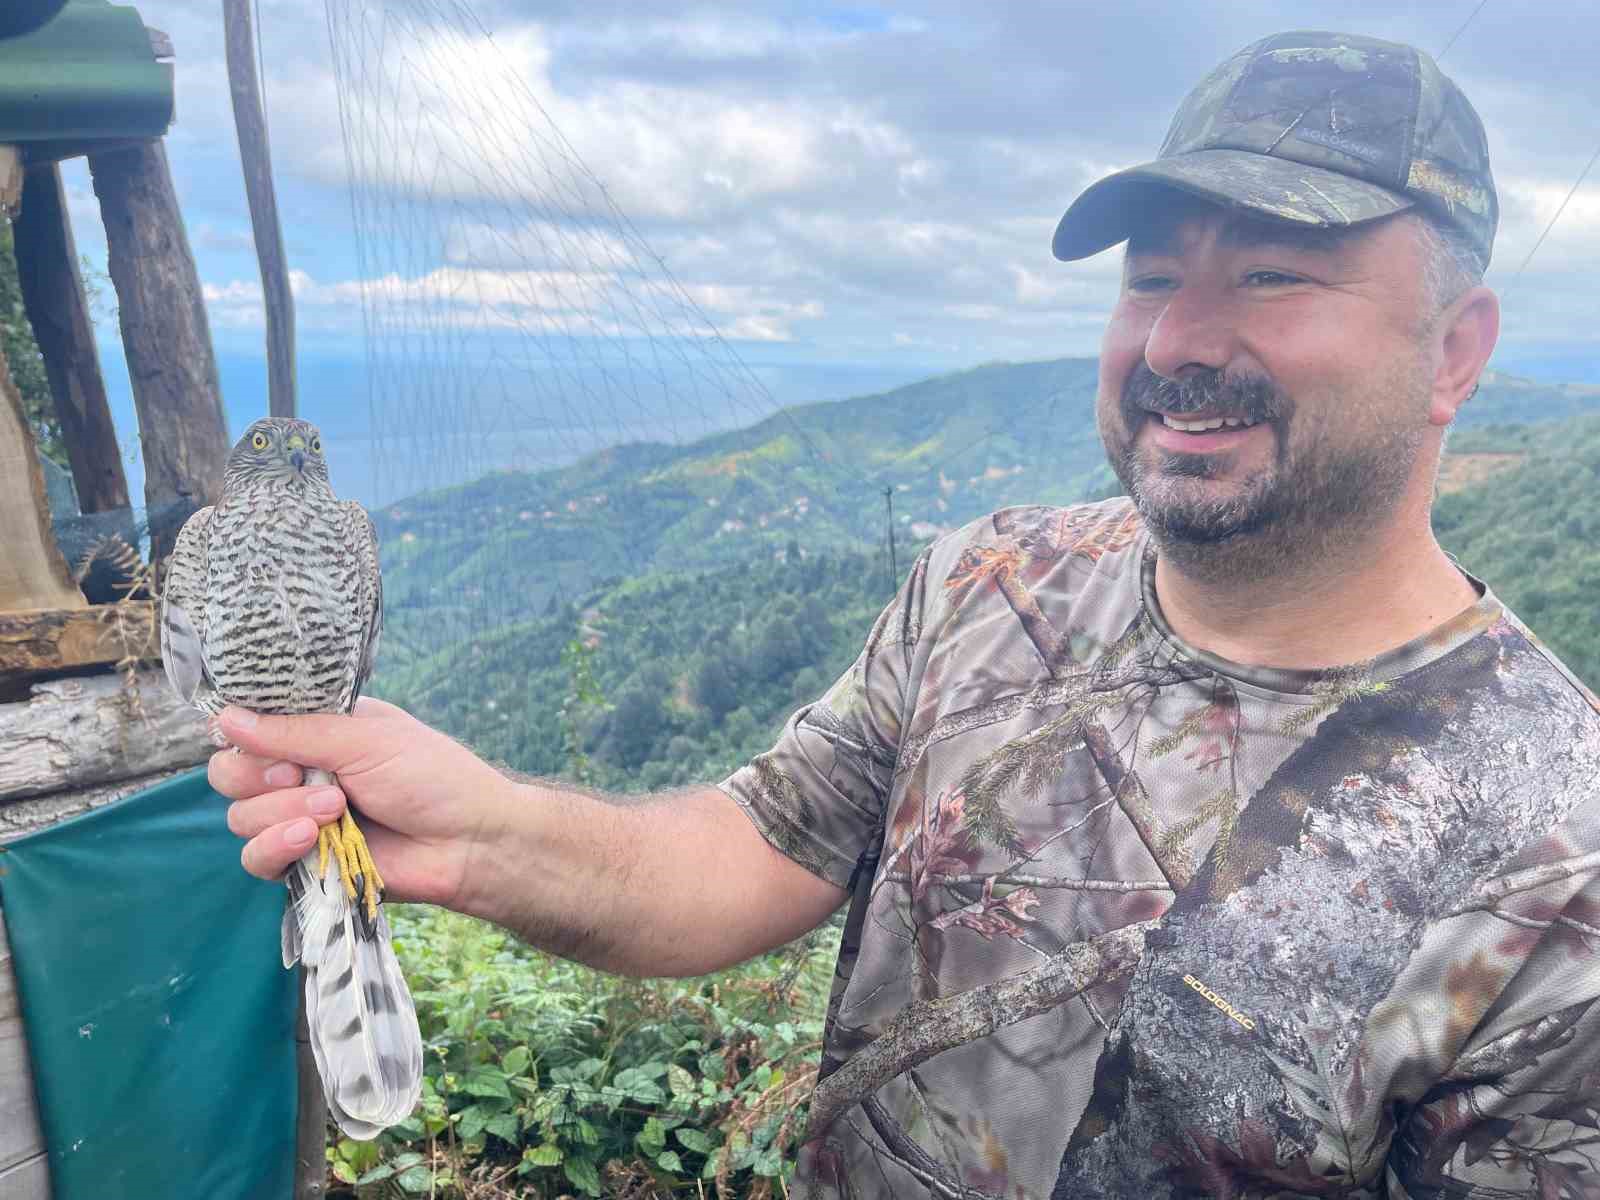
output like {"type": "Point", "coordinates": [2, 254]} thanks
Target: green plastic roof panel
{"type": "Point", "coordinates": [86, 76]}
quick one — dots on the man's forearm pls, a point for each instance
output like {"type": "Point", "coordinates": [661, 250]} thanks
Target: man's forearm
{"type": "Point", "coordinates": [681, 884]}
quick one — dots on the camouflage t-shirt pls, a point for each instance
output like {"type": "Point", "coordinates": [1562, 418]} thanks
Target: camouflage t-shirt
{"type": "Point", "coordinates": [1370, 897]}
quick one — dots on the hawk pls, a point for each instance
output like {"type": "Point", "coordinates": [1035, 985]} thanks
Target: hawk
{"type": "Point", "coordinates": [273, 602]}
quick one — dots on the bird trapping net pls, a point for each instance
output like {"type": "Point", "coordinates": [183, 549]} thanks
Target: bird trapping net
{"type": "Point", "coordinates": [516, 320]}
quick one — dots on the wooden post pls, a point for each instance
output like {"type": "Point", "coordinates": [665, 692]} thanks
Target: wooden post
{"type": "Point", "coordinates": [165, 335]}
{"type": "Point", "coordinates": [52, 292]}
{"type": "Point", "coordinates": [32, 572]}
{"type": "Point", "coordinates": [10, 178]}
{"type": "Point", "coordinates": [256, 159]}
{"type": "Point", "coordinates": [24, 1162]}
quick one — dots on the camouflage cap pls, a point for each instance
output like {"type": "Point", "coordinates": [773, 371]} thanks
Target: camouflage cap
{"type": "Point", "coordinates": [1323, 129]}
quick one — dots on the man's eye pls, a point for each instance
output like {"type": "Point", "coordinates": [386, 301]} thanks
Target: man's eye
{"type": "Point", "coordinates": [1150, 284]}
{"type": "Point", "coordinates": [1271, 278]}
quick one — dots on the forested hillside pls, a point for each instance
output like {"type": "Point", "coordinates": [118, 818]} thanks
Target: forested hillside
{"type": "Point", "coordinates": [667, 676]}
{"type": "Point", "coordinates": [1532, 532]}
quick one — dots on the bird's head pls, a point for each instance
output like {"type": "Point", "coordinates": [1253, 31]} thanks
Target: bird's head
{"type": "Point", "coordinates": [277, 450]}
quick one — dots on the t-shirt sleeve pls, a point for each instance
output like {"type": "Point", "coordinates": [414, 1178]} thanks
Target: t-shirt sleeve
{"type": "Point", "coordinates": [1518, 1111]}
{"type": "Point", "coordinates": [819, 795]}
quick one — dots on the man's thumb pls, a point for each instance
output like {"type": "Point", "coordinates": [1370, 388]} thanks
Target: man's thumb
{"type": "Point", "coordinates": [312, 741]}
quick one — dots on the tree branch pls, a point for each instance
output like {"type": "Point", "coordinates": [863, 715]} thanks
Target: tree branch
{"type": "Point", "coordinates": [929, 1171]}
{"type": "Point", "coordinates": [925, 1028]}
{"type": "Point", "coordinates": [1071, 883]}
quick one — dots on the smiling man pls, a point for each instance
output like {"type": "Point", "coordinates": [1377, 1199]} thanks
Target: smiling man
{"type": "Point", "coordinates": [1226, 839]}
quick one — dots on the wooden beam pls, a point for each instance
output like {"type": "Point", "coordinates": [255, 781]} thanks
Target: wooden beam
{"type": "Point", "coordinates": [256, 158]}
{"type": "Point", "coordinates": [88, 732]}
{"type": "Point", "coordinates": [52, 293]}
{"type": "Point", "coordinates": [165, 335]}
{"type": "Point", "coordinates": [10, 178]}
{"type": "Point", "coordinates": [49, 641]}
{"type": "Point", "coordinates": [19, 818]}
{"type": "Point", "coordinates": [32, 572]}
{"type": "Point", "coordinates": [23, 1174]}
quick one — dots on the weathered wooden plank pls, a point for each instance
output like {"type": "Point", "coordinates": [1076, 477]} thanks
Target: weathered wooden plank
{"type": "Point", "coordinates": [28, 1180]}
{"type": "Point", "coordinates": [19, 818]}
{"type": "Point", "coordinates": [32, 572]}
{"type": "Point", "coordinates": [165, 335]}
{"type": "Point", "coordinates": [22, 1148]}
{"type": "Point", "coordinates": [83, 733]}
{"type": "Point", "coordinates": [56, 639]}
{"type": "Point", "coordinates": [10, 178]}
{"type": "Point", "coordinates": [58, 310]}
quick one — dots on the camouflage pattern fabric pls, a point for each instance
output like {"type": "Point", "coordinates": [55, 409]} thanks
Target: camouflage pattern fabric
{"type": "Point", "coordinates": [1375, 964]}
{"type": "Point", "coordinates": [1313, 128]}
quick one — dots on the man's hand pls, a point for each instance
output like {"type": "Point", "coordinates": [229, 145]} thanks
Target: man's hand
{"type": "Point", "coordinates": [427, 803]}
{"type": "Point", "coordinates": [670, 885]}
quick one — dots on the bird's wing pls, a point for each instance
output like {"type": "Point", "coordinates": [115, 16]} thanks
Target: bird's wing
{"type": "Point", "coordinates": [183, 611]}
{"type": "Point", "coordinates": [363, 537]}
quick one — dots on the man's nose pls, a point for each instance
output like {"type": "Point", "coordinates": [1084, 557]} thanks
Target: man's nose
{"type": "Point", "coordinates": [1195, 329]}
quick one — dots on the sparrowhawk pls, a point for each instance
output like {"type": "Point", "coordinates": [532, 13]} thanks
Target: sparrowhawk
{"type": "Point", "coordinates": [273, 602]}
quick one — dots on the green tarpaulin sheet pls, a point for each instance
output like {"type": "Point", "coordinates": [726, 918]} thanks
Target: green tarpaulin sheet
{"type": "Point", "coordinates": [158, 1014]}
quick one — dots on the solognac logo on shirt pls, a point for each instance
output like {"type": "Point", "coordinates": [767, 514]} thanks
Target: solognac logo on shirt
{"type": "Point", "coordinates": [1218, 1002]}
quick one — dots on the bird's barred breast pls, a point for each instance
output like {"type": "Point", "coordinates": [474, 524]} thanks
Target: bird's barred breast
{"type": "Point", "coordinates": [283, 622]}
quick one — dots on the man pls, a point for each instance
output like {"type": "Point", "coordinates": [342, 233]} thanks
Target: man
{"type": "Point", "coordinates": [1337, 800]}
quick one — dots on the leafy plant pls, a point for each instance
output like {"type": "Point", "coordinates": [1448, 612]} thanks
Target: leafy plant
{"type": "Point", "coordinates": [547, 1078]}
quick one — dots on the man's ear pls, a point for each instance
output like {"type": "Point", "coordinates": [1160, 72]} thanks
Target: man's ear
{"type": "Point", "coordinates": [1466, 333]}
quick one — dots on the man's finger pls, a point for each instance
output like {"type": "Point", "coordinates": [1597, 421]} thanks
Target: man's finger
{"type": "Point", "coordinates": [240, 776]}
{"type": "Point", "coordinates": [331, 742]}
{"type": "Point", "coordinates": [268, 855]}
{"type": "Point", "coordinates": [371, 706]}
{"type": "Point", "coordinates": [254, 816]}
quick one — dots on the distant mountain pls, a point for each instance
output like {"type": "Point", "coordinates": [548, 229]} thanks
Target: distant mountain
{"type": "Point", "coordinates": [947, 449]}
{"type": "Point", "coordinates": [679, 671]}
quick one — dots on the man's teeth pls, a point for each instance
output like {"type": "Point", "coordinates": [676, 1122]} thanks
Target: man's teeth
{"type": "Point", "coordinates": [1203, 426]}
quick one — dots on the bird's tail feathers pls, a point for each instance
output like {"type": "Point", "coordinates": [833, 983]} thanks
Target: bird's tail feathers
{"type": "Point", "coordinates": [363, 1024]}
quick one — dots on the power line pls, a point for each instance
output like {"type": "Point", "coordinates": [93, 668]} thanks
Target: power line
{"type": "Point", "coordinates": [1571, 192]}
{"type": "Point", "coordinates": [1462, 28]}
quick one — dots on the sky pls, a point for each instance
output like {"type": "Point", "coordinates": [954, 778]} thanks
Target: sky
{"type": "Point", "coordinates": [850, 196]}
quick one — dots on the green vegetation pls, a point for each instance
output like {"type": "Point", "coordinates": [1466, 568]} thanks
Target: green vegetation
{"type": "Point", "coordinates": [1533, 533]}
{"type": "Point", "coordinates": [666, 679]}
{"type": "Point", "coordinates": [544, 1078]}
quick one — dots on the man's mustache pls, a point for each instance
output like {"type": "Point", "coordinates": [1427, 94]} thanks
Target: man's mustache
{"type": "Point", "coordinates": [1252, 397]}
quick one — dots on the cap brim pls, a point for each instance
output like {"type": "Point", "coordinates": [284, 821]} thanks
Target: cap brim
{"type": "Point", "coordinates": [1275, 188]}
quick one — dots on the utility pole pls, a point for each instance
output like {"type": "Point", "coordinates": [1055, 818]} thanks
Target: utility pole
{"type": "Point", "coordinates": [250, 121]}
{"type": "Point", "coordinates": [894, 566]}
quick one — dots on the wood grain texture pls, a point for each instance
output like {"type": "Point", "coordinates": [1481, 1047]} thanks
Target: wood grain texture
{"type": "Point", "coordinates": [256, 158]}
{"type": "Point", "coordinates": [58, 310]}
{"type": "Point", "coordinates": [18, 818]}
{"type": "Point", "coordinates": [22, 1151]}
{"type": "Point", "coordinates": [165, 334]}
{"type": "Point", "coordinates": [27, 1180]}
{"type": "Point", "coordinates": [32, 572]}
{"type": "Point", "coordinates": [86, 733]}
{"type": "Point", "coordinates": [55, 640]}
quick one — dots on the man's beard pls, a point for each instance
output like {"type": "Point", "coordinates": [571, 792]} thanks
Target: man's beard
{"type": "Point", "coordinates": [1318, 495]}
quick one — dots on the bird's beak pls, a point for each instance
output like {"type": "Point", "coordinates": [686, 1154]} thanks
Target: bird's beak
{"type": "Point", "coordinates": [298, 459]}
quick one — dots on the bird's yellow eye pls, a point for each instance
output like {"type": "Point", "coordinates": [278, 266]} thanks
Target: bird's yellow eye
{"type": "Point", "coordinates": [316, 445]}
{"type": "Point", "coordinates": [258, 440]}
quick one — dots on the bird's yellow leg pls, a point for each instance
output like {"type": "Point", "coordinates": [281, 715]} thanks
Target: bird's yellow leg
{"type": "Point", "coordinates": [344, 844]}
{"type": "Point", "coordinates": [372, 882]}
{"type": "Point", "coordinates": [331, 843]}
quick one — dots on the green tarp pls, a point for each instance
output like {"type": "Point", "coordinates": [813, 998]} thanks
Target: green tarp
{"type": "Point", "coordinates": [158, 1014]}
